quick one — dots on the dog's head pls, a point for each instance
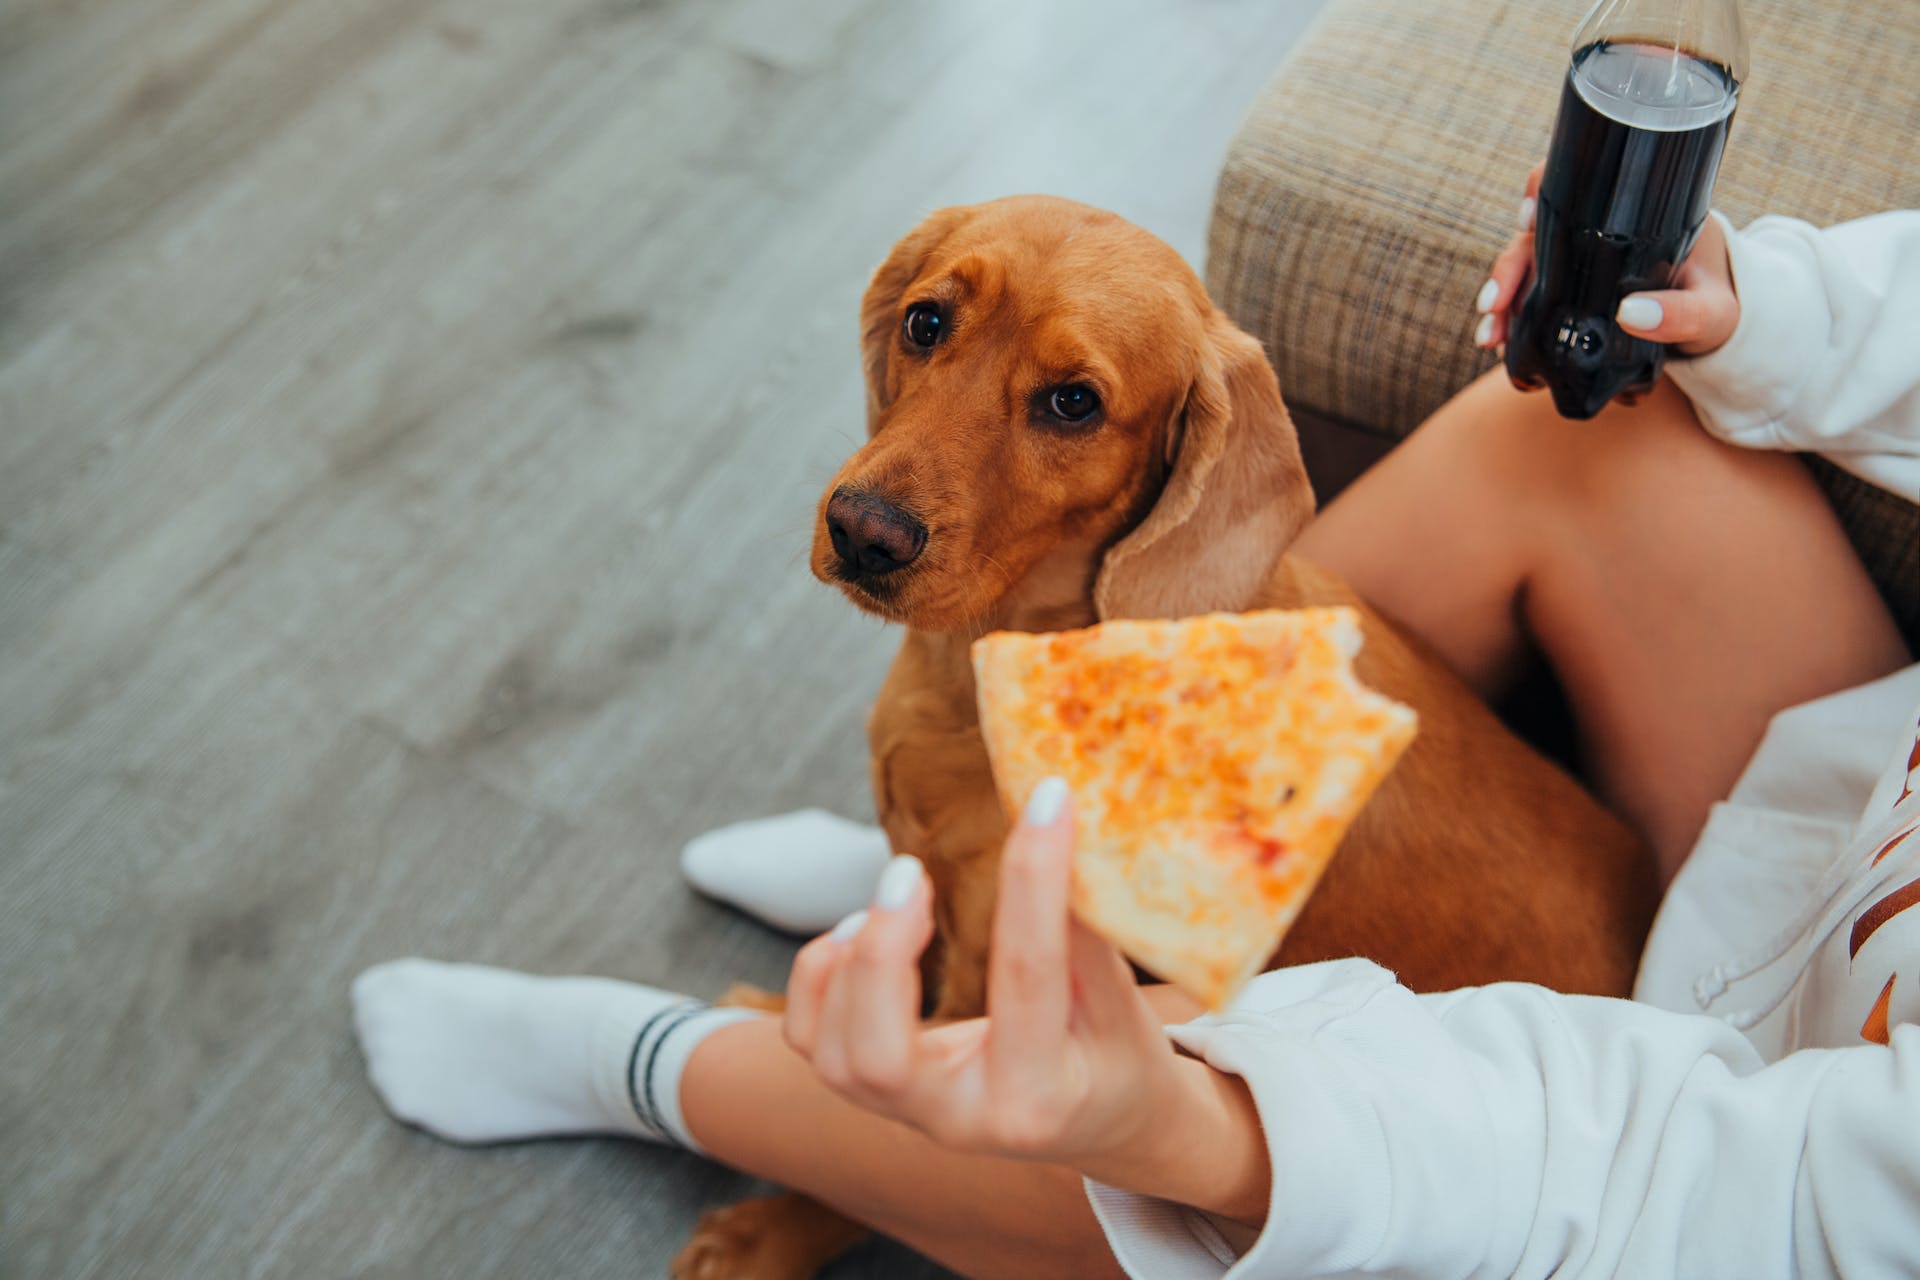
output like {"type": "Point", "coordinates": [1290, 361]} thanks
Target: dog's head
{"type": "Point", "coordinates": [1050, 392]}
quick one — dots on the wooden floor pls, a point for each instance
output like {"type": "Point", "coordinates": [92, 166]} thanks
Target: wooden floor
{"type": "Point", "coordinates": [410, 418]}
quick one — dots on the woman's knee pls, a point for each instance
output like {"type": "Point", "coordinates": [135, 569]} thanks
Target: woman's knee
{"type": "Point", "coordinates": [1646, 476]}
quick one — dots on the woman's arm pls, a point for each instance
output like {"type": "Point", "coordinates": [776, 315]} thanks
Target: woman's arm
{"type": "Point", "coordinates": [1508, 1130]}
{"type": "Point", "coordinates": [1826, 355]}
{"type": "Point", "coordinates": [1205, 1149]}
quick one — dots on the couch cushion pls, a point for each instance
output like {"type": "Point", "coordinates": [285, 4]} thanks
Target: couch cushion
{"type": "Point", "coordinates": [1380, 170]}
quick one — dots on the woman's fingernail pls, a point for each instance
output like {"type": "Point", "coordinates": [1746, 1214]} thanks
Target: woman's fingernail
{"type": "Point", "coordinates": [844, 931]}
{"type": "Point", "coordinates": [1482, 332]}
{"type": "Point", "coordinates": [897, 882]}
{"type": "Point", "coordinates": [1489, 294]}
{"type": "Point", "coordinates": [1639, 313]}
{"type": "Point", "coordinates": [1047, 803]}
{"type": "Point", "coordinates": [1527, 207]}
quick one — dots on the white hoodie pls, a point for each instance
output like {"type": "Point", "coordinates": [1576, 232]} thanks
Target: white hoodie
{"type": "Point", "coordinates": [1755, 1111]}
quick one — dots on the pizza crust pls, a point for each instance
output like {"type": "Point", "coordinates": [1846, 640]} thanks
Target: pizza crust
{"type": "Point", "coordinates": [1215, 764]}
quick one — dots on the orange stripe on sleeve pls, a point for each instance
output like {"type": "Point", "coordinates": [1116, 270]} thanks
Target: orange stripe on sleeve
{"type": "Point", "coordinates": [1875, 1027]}
{"type": "Point", "coordinates": [1879, 913]}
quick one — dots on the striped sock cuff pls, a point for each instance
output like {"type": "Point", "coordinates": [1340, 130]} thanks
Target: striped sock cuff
{"type": "Point", "coordinates": [660, 1051]}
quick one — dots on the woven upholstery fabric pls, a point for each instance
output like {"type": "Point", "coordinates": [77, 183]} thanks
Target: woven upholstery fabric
{"type": "Point", "coordinates": [1381, 169]}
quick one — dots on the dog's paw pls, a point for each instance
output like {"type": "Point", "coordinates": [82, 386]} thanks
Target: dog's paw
{"type": "Point", "coordinates": [738, 1242]}
{"type": "Point", "coordinates": [744, 995]}
{"type": "Point", "coordinates": [784, 1237]}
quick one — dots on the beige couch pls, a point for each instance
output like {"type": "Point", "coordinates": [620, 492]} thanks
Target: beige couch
{"type": "Point", "coordinates": [1375, 177]}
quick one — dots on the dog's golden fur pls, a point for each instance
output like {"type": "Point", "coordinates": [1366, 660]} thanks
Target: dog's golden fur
{"type": "Point", "coordinates": [1478, 860]}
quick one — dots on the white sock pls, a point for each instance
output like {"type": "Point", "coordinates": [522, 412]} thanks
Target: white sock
{"type": "Point", "coordinates": [475, 1054]}
{"type": "Point", "coordinates": [801, 871]}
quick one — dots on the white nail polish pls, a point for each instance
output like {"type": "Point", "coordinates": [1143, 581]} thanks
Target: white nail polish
{"type": "Point", "coordinates": [1483, 332]}
{"type": "Point", "coordinates": [847, 928]}
{"type": "Point", "coordinates": [1639, 313]}
{"type": "Point", "coordinates": [897, 882]}
{"type": "Point", "coordinates": [1527, 207]}
{"type": "Point", "coordinates": [1489, 292]}
{"type": "Point", "coordinates": [1047, 803]}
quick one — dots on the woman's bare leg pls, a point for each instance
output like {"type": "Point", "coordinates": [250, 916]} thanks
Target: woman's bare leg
{"type": "Point", "coordinates": [1682, 590]}
{"type": "Point", "coordinates": [979, 1216]}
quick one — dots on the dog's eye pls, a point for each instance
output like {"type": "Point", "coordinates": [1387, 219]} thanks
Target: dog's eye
{"type": "Point", "coordinates": [1075, 402]}
{"type": "Point", "coordinates": [923, 325]}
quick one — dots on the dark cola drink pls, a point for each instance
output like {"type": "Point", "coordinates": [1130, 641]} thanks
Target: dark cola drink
{"type": "Point", "coordinates": [1626, 188]}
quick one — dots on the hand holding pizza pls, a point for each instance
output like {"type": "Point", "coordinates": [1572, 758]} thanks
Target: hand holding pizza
{"type": "Point", "coordinates": [1059, 1069]}
{"type": "Point", "coordinates": [1070, 1065]}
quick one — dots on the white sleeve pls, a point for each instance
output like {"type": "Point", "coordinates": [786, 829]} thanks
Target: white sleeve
{"type": "Point", "coordinates": [1510, 1131]}
{"type": "Point", "coordinates": [1826, 357]}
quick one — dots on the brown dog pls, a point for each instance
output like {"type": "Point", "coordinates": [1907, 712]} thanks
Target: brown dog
{"type": "Point", "coordinates": [1063, 428]}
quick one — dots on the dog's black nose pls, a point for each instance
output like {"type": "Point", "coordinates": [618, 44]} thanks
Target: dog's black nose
{"type": "Point", "coordinates": [871, 535]}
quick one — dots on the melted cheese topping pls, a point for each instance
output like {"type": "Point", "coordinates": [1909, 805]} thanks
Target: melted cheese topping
{"type": "Point", "coordinates": [1215, 764]}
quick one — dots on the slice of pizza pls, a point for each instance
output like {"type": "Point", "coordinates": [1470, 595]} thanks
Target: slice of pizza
{"type": "Point", "coordinates": [1215, 764]}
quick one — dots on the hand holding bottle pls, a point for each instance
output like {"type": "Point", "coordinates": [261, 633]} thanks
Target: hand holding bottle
{"type": "Point", "coordinates": [1651, 90]}
{"type": "Point", "coordinates": [1695, 317]}
{"type": "Point", "coordinates": [1700, 312]}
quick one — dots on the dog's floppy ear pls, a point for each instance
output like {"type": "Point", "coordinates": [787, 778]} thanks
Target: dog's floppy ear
{"type": "Point", "coordinates": [880, 308]}
{"type": "Point", "coordinates": [1237, 495]}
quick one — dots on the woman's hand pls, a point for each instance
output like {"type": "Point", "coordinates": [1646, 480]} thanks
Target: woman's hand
{"type": "Point", "coordinates": [1512, 272]}
{"type": "Point", "coordinates": [1070, 1066]}
{"type": "Point", "coordinates": [1695, 317]}
{"type": "Point", "coordinates": [1059, 1071]}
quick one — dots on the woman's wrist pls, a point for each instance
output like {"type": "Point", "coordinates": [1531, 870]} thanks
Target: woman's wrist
{"type": "Point", "coordinates": [1202, 1146]}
